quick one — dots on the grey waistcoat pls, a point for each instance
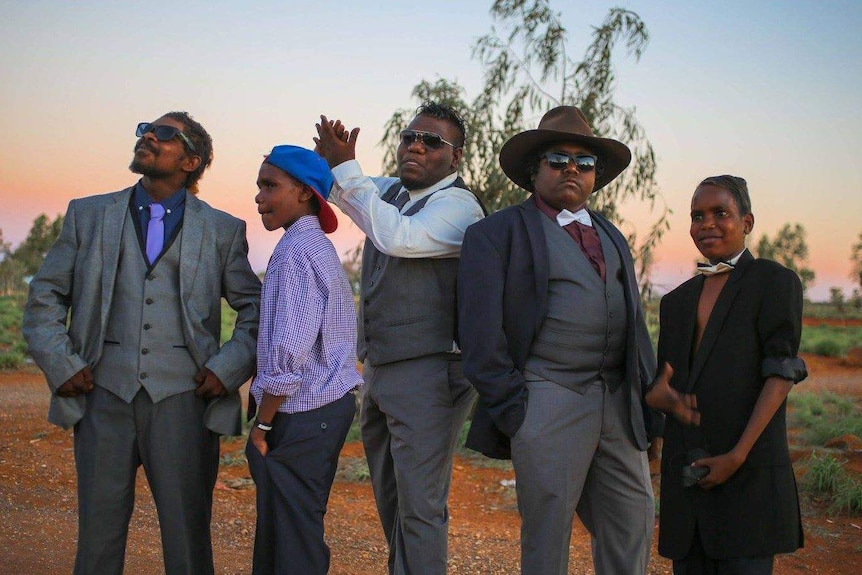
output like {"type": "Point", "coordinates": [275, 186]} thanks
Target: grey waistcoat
{"type": "Point", "coordinates": [583, 336]}
{"type": "Point", "coordinates": [407, 305]}
{"type": "Point", "coordinates": [144, 341]}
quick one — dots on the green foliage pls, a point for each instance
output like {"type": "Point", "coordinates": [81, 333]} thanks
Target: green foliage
{"type": "Point", "coordinates": [233, 458]}
{"type": "Point", "coordinates": [790, 249]}
{"type": "Point", "coordinates": [827, 477]}
{"type": "Point", "coordinates": [31, 253]}
{"type": "Point", "coordinates": [830, 341]}
{"type": "Point", "coordinates": [828, 310]}
{"type": "Point", "coordinates": [11, 359]}
{"type": "Point", "coordinates": [13, 348]}
{"type": "Point", "coordinates": [527, 71]}
{"type": "Point", "coordinates": [352, 264]}
{"type": "Point", "coordinates": [823, 416]}
{"type": "Point", "coordinates": [847, 498]}
{"type": "Point", "coordinates": [824, 473]}
{"type": "Point", "coordinates": [353, 469]}
{"type": "Point", "coordinates": [28, 257]}
{"type": "Point", "coordinates": [354, 433]}
{"type": "Point", "coordinates": [228, 321]}
{"type": "Point", "coordinates": [856, 261]}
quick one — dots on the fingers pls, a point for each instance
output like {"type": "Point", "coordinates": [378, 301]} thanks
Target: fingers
{"type": "Point", "coordinates": [691, 414]}
{"type": "Point", "coordinates": [666, 372]}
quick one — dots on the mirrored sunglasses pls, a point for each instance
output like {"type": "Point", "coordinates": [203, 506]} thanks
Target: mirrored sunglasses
{"type": "Point", "coordinates": [559, 161]}
{"type": "Point", "coordinates": [430, 140]}
{"type": "Point", "coordinates": [164, 133]}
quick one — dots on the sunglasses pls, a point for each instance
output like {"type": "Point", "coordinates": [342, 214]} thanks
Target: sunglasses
{"type": "Point", "coordinates": [559, 161]}
{"type": "Point", "coordinates": [430, 140]}
{"type": "Point", "coordinates": [164, 133]}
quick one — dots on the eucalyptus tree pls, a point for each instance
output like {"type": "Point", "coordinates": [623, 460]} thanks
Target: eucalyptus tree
{"type": "Point", "coordinates": [527, 71]}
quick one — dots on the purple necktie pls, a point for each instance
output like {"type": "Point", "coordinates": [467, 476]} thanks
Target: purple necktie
{"type": "Point", "coordinates": [155, 232]}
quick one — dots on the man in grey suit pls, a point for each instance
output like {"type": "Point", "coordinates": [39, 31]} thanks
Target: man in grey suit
{"type": "Point", "coordinates": [124, 318]}
{"type": "Point", "coordinates": [415, 398]}
{"type": "Point", "coordinates": [554, 340]}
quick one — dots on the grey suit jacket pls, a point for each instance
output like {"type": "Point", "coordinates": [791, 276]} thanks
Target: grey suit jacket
{"type": "Point", "coordinates": [78, 275]}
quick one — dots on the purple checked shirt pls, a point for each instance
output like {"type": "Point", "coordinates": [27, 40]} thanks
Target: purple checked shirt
{"type": "Point", "coordinates": [306, 347]}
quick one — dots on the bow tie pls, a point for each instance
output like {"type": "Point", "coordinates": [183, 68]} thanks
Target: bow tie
{"type": "Point", "coordinates": [711, 270]}
{"type": "Point", "coordinates": [565, 217]}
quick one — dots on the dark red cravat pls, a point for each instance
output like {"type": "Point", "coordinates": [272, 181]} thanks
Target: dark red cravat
{"type": "Point", "coordinates": [585, 236]}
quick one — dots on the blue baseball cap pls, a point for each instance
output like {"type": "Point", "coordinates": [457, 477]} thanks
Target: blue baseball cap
{"type": "Point", "coordinates": [312, 170]}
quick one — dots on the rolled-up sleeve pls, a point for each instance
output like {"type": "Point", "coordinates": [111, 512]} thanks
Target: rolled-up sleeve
{"type": "Point", "coordinates": [780, 327]}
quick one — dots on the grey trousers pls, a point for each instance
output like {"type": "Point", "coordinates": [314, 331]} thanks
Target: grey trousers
{"type": "Point", "coordinates": [180, 457]}
{"type": "Point", "coordinates": [411, 415]}
{"type": "Point", "coordinates": [574, 453]}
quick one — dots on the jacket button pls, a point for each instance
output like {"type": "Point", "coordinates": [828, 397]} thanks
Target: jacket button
{"type": "Point", "coordinates": [147, 326]}
{"type": "Point", "coordinates": [151, 277]}
{"type": "Point", "coordinates": [323, 425]}
{"type": "Point", "coordinates": [145, 351]}
{"type": "Point", "coordinates": [367, 338]}
{"type": "Point", "coordinates": [149, 301]}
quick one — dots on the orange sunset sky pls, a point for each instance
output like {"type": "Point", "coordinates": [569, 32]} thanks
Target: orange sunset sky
{"type": "Point", "coordinates": [769, 91]}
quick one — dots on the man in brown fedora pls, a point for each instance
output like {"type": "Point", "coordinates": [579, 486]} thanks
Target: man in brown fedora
{"type": "Point", "coordinates": [554, 340]}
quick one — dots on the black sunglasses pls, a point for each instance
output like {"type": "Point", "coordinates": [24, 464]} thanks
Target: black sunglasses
{"type": "Point", "coordinates": [559, 161]}
{"type": "Point", "coordinates": [164, 133]}
{"type": "Point", "coordinates": [430, 140]}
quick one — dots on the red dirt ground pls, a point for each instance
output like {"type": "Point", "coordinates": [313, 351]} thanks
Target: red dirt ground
{"type": "Point", "coordinates": [38, 505]}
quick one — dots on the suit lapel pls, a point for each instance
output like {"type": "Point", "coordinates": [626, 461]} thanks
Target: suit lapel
{"type": "Point", "coordinates": [717, 317]}
{"type": "Point", "coordinates": [191, 244]}
{"type": "Point", "coordinates": [112, 233]}
{"type": "Point", "coordinates": [539, 250]}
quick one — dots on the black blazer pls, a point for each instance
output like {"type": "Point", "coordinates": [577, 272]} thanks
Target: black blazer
{"type": "Point", "coordinates": [753, 333]}
{"type": "Point", "coordinates": [502, 302]}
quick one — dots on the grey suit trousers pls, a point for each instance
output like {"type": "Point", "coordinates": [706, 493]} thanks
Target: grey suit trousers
{"type": "Point", "coordinates": [573, 453]}
{"type": "Point", "coordinates": [411, 415]}
{"type": "Point", "coordinates": [180, 457]}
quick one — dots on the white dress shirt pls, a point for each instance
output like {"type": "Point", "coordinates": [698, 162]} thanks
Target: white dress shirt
{"type": "Point", "coordinates": [436, 231]}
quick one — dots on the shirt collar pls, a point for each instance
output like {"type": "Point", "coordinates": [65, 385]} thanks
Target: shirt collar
{"type": "Point", "coordinates": [421, 193]}
{"type": "Point", "coordinates": [553, 212]}
{"type": "Point", "coordinates": [143, 200]}
{"type": "Point", "coordinates": [303, 224]}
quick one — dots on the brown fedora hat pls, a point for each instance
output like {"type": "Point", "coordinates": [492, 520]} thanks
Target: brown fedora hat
{"type": "Point", "coordinates": [562, 124]}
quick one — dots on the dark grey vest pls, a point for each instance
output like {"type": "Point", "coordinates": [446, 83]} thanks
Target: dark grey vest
{"type": "Point", "coordinates": [144, 340]}
{"type": "Point", "coordinates": [407, 305]}
{"type": "Point", "coordinates": [583, 335]}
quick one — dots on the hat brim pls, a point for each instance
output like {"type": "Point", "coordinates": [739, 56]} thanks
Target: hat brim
{"type": "Point", "coordinates": [518, 152]}
{"type": "Point", "coordinates": [326, 215]}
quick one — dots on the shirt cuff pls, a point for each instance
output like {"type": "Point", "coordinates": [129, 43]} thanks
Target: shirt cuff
{"type": "Point", "coordinates": [347, 170]}
{"type": "Point", "coordinates": [790, 368]}
{"type": "Point", "coordinates": [282, 386]}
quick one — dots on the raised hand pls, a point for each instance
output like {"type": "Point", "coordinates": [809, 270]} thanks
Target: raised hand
{"type": "Point", "coordinates": [334, 142]}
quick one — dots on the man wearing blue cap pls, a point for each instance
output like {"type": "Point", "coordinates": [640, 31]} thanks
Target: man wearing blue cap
{"type": "Point", "coordinates": [306, 366]}
{"type": "Point", "coordinates": [138, 369]}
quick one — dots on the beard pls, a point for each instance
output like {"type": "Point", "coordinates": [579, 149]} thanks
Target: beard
{"type": "Point", "coordinates": [147, 167]}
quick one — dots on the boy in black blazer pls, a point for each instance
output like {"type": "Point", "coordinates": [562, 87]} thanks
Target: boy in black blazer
{"type": "Point", "coordinates": [728, 354]}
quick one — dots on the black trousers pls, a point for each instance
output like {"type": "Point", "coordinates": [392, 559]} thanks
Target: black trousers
{"type": "Point", "coordinates": [293, 484]}
{"type": "Point", "coordinates": [697, 563]}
